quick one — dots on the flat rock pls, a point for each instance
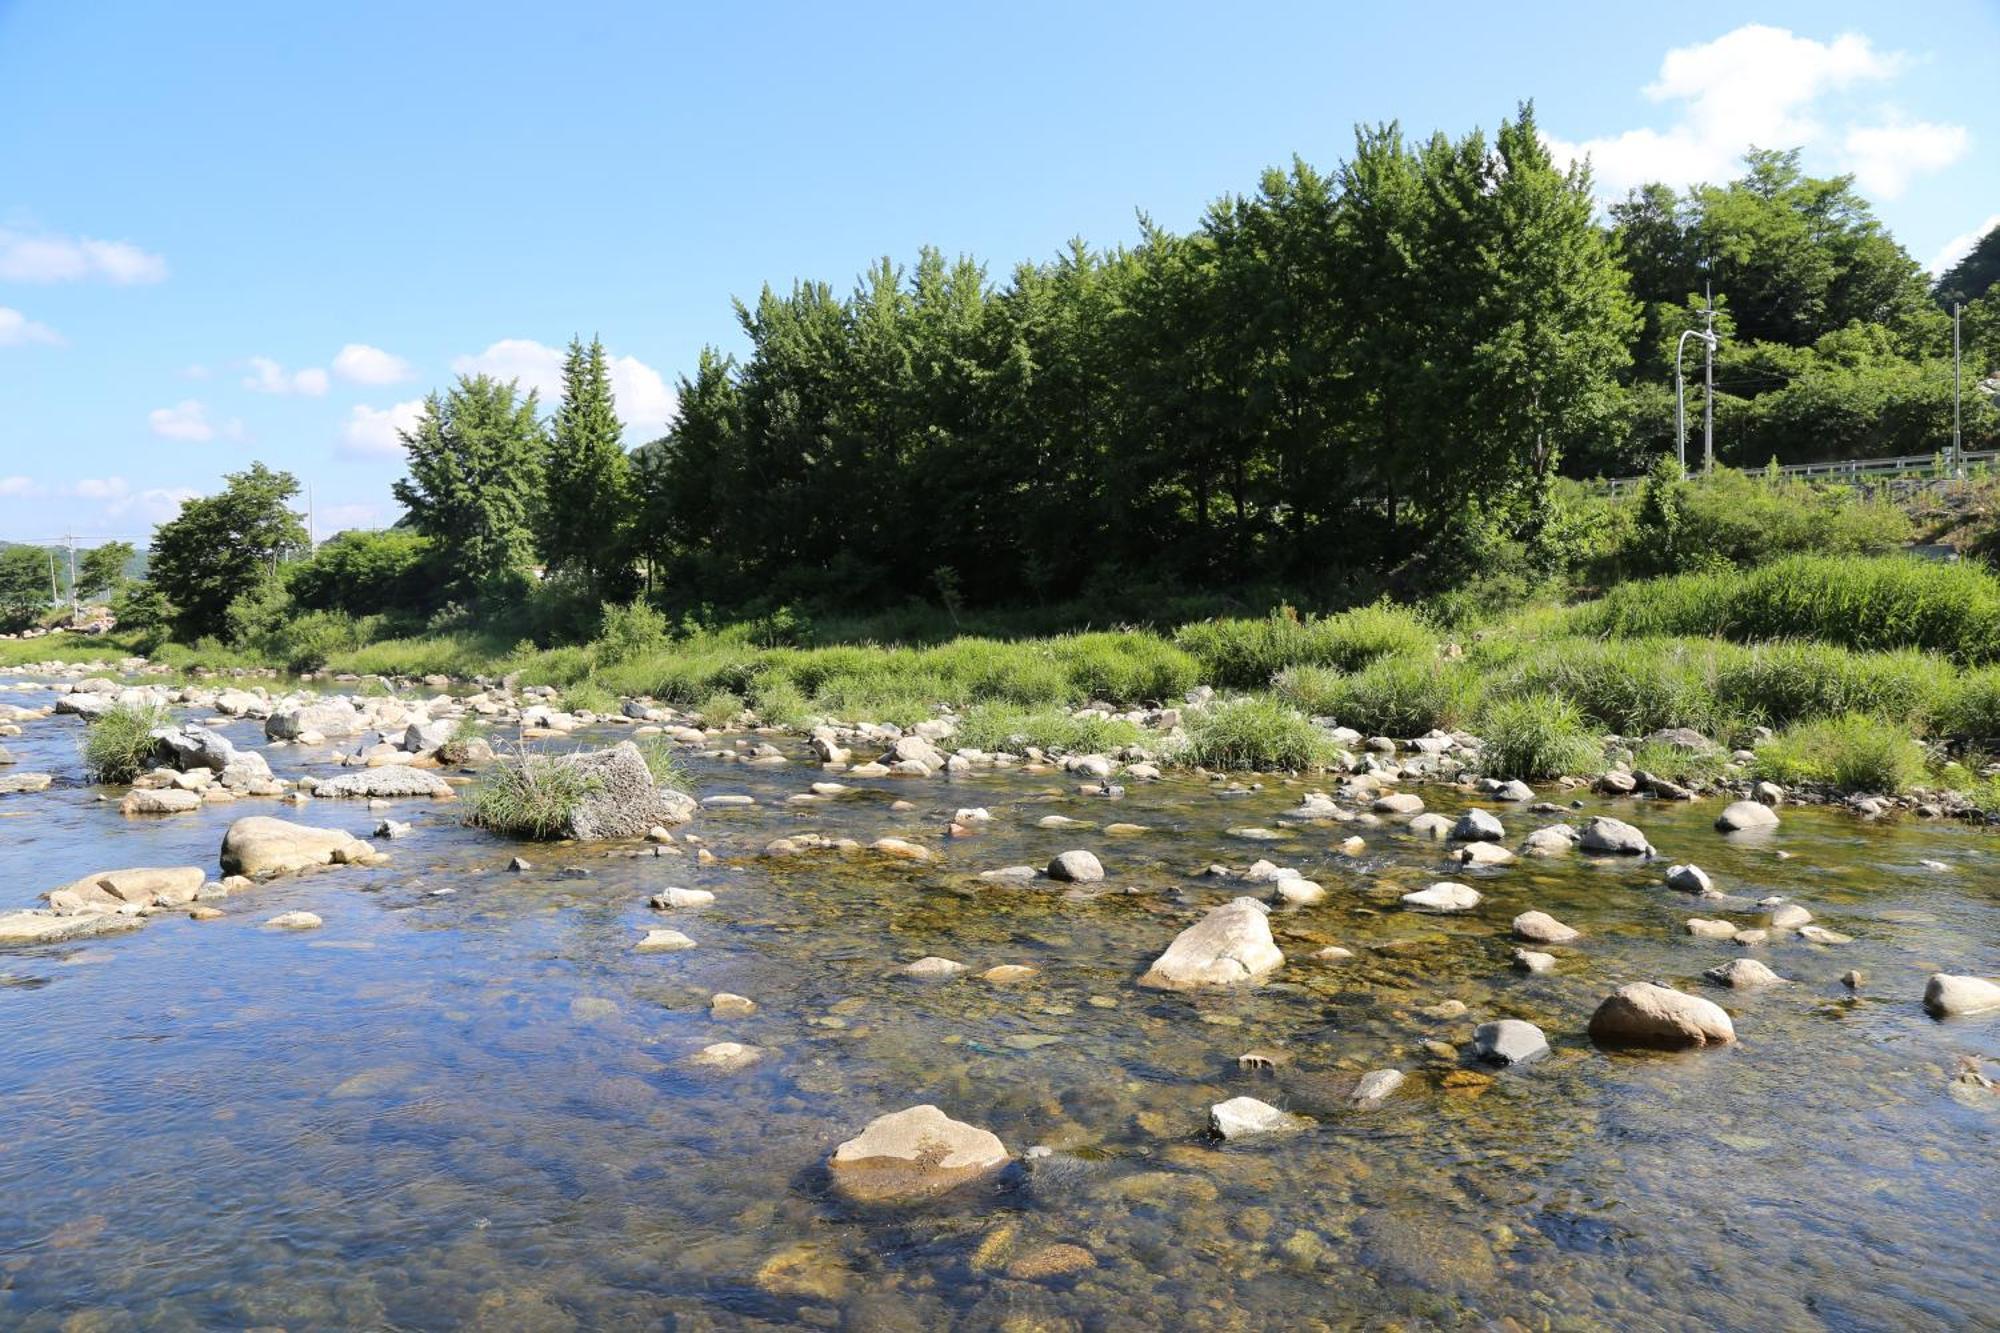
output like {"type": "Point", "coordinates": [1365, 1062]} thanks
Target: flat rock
{"type": "Point", "coordinates": [159, 801]}
{"type": "Point", "coordinates": [671, 899]}
{"type": "Point", "coordinates": [22, 784]}
{"type": "Point", "coordinates": [1483, 854]}
{"type": "Point", "coordinates": [1705, 928]}
{"type": "Point", "coordinates": [1376, 1087]}
{"type": "Point", "coordinates": [913, 1154]}
{"type": "Point", "coordinates": [660, 940]}
{"type": "Point", "coordinates": [726, 1056]}
{"type": "Point", "coordinates": [259, 845]}
{"type": "Point", "coordinates": [390, 782]}
{"type": "Point", "coordinates": [1743, 974]}
{"type": "Point", "coordinates": [902, 849]}
{"type": "Point", "coordinates": [1444, 896]}
{"type": "Point", "coordinates": [934, 968]}
{"type": "Point", "coordinates": [1246, 1117]}
{"type": "Point", "coordinates": [1643, 1014]}
{"type": "Point", "coordinates": [1230, 946]}
{"type": "Point", "coordinates": [1541, 928]}
{"type": "Point", "coordinates": [295, 921]}
{"type": "Point", "coordinates": [1790, 916]}
{"type": "Point", "coordinates": [1398, 803]}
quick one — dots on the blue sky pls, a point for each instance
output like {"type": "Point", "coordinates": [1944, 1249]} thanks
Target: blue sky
{"type": "Point", "coordinates": [236, 231]}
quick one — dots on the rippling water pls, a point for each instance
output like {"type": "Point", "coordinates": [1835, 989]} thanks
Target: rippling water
{"type": "Point", "coordinates": [469, 1110]}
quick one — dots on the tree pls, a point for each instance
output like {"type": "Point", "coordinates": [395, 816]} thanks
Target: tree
{"type": "Point", "coordinates": [585, 521]}
{"type": "Point", "coordinates": [222, 546]}
{"type": "Point", "coordinates": [475, 458]}
{"type": "Point", "coordinates": [24, 586]}
{"type": "Point", "coordinates": [102, 573]}
{"type": "Point", "coordinates": [1973, 276]}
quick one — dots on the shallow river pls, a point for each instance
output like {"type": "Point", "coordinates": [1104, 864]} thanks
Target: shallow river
{"type": "Point", "coordinates": [469, 1110]}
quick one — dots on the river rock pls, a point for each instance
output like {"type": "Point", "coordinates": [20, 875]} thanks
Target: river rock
{"type": "Point", "coordinates": [325, 717]}
{"type": "Point", "coordinates": [1541, 928]}
{"type": "Point", "coordinates": [1376, 1087]}
{"type": "Point", "coordinates": [1947, 996]}
{"type": "Point", "coordinates": [1076, 867]}
{"type": "Point", "coordinates": [1246, 1117]}
{"type": "Point", "coordinates": [1433, 826]}
{"type": "Point", "coordinates": [913, 1154]}
{"type": "Point", "coordinates": [1643, 1014]}
{"type": "Point", "coordinates": [159, 801]}
{"type": "Point", "coordinates": [624, 801]}
{"type": "Point", "coordinates": [388, 782]}
{"type": "Point", "coordinates": [1230, 946]}
{"type": "Point", "coordinates": [1703, 928]}
{"type": "Point", "coordinates": [295, 921]}
{"type": "Point", "coordinates": [1551, 840]}
{"type": "Point", "coordinates": [1740, 815]}
{"type": "Point", "coordinates": [1690, 879]}
{"type": "Point", "coordinates": [672, 899]}
{"type": "Point", "coordinates": [46, 927]}
{"type": "Point", "coordinates": [1511, 1041]}
{"type": "Point", "coordinates": [1444, 896]}
{"type": "Point", "coordinates": [1478, 826]}
{"type": "Point", "coordinates": [1743, 974]}
{"type": "Point", "coordinates": [1048, 1261]}
{"type": "Point", "coordinates": [902, 849]}
{"type": "Point", "coordinates": [1613, 837]}
{"type": "Point", "coordinates": [934, 968]}
{"type": "Point", "coordinates": [1790, 916]}
{"type": "Point", "coordinates": [259, 845]}
{"type": "Point", "coordinates": [1483, 854]}
{"type": "Point", "coordinates": [662, 940]}
{"type": "Point", "coordinates": [725, 1004]}
{"type": "Point", "coordinates": [1528, 960]}
{"type": "Point", "coordinates": [189, 746]}
{"type": "Point", "coordinates": [726, 1056]}
{"type": "Point", "coordinates": [123, 890]}
{"type": "Point", "coordinates": [1398, 803]}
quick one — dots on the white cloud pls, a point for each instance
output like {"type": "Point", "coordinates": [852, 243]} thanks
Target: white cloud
{"type": "Point", "coordinates": [267, 376]}
{"type": "Point", "coordinates": [1885, 157]}
{"type": "Point", "coordinates": [26, 257]}
{"type": "Point", "coordinates": [19, 487]}
{"type": "Point", "coordinates": [195, 373]}
{"type": "Point", "coordinates": [358, 363]}
{"type": "Point", "coordinates": [376, 432]}
{"type": "Point", "coordinates": [17, 330]}
{"type": "Point", "coordinates": [1958, 247]}
{"type": "Point", "coordinates": [645, 403]}
{"type": "Point", "coordinates": [188, 420]}
{"type": "Point", "coordinates": [100, 488]}
{"type": "Point", "coordinates": [1769, 88]}
{"type": "Point", "coordinates": [153, 506]}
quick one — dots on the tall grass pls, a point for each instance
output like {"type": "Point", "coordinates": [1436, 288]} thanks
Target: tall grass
{"type": "Point", "coordinates": [1247, 654]}
{"type": "Point", "coordinates": [1537, 736]}
{"type": "Point", "coordinates": [529, 796]}
{"type": "Point", "coordinates": [118, 745]}
{"type": "Point", "coordinates": [1009, 727]}
{"type": "Point", "coordinates": [1402, 695]}
{"type": "Point", "coordinates": [1854, 753]}
{"type": "Point", "coordinates": [1255, 732]}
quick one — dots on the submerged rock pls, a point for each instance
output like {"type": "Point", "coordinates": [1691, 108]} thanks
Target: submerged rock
{"type": "Point", "coordinates": [1230, 946]}
{"type": "Point", "coordinates": [934, 968]}
{"type": "Point", "coordinates": [1246, 1117]}
{"type": "Point", "coordinates": [1376, 1087]}
{"type": "Point", "coordinates": [295, 921]}
{"type": "Point", "coordinates": [1541, 928]}
{"type": "Point", "coordinates": [1743, 974]}
{"type": "Point", "coordinates": [1643, 1014]}
{"type": "Point", "coordinates": [913, 1154]}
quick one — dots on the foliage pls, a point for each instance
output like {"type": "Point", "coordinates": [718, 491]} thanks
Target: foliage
{"type": "Point", "coordinates": [527, 795]}
{"type": "Point", "coordinates": [119, 744]}
{"type": "Point", "coordinates": [1537, 736]}
{"type": "Point", "coordinates": [1974, 275]}
{"type": "Point", "coordinates": [1676, 763]}
{"type": "Point", "coordinates": [1255, 732]}
{"type": "Point", "coordinates": [1246, 654]}
{"type": "Point", "coordinates": [24, 586]}
{"type": "Point", "coordinates": [475, 460]}
{"type": "Point", "coordinates": [1008, 727]}
{"type": "Point", "coordinates": [630, 631]}
{"type": "Point", "coordinates": [366, 573]}
{"type": "Point", "coordinates": [1393, 696]}
{"type": "Point", "coordinates": [589, 697]}
{"type": "Point", "coordinates": [103, 570]}
{"type": "Point", "coordinates": [583, 524]}
{"type": "Point", "coordinates": [223, 546]}
{"type": "Point", "coordinates": [1851, 753]}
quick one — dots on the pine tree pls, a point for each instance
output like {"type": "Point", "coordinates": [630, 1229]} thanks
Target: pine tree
{"type": "Point", "coordinates": [585, 522]}
{"type": "Point", "coordinates": [475, 471]}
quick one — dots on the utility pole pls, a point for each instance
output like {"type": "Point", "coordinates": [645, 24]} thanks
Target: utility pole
{"type": "Point", "coordinates": [70, 537]}
{"type": "Point", "coordinates": [1957, 441]}
{"type": "Point", "coordinates": [55, 593]}
{"type": "Point", "coordinates": [1708, 384]}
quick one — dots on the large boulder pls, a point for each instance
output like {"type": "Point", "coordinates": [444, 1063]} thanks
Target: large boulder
{"type": "Point", "coordinates": [913, 1154]}
{"type": "Point", "coordinates": [424, 735]}
{"type": "Point", "coordinates": [88, 706]}
{"type": "Point", "coordinates": [391, 780]}
{"type": "Point", "coordinates": [126, 890]}
{"type": "Point", "coordinates": [159, 801]}
{"type": "Point", "coordinates": [327, 717]}
{"type": "Point", "coordinates": [190, 746]}
{"type": "Point", "coordinates": [1738, 816]}
{"type": "Point", "coordinates": [40, 927]}
{"type": "Point", "coordinates": [1643, 1014]}
{"type": "Point", "coordinates": [1228, 947]}
{"type": "Point", "coordinates": [1613, 837]}
{"type": "Point", "coordinates": [260, 845]}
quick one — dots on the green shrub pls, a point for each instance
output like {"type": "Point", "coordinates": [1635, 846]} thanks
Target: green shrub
{"type": "Point", "coordinates": [1852, 753]}
{"type": "Point", "coordinates": [1393, 696]}
{"type": "Point", "coordinates": [720, 709]}
{"type": "Point", "coordinates": [779, 702]}
{"type": "Point", "coordinates": [1537, 736]}
{"type": "Point", "coordinates": [1255, 732]}
{"type": "Point", "coordinates": [119, 745]}
{"type": "Point", "coordinates": [1011, 728]}
{"type": "Point", "coordinates": [1630, 687]}
{"type": "Point", "coordinates": [529, 796]}
{"type": "Point", "coordinates": [589, 697]}
{"type": "Point", "coordinates": [1247, 654]}
{"type": "Point", "coordinates": [1782, 683]}
{"type": "Point", "coordinates": [1970, 705]}
{"type": "Point", "coordinates": [632, 631]}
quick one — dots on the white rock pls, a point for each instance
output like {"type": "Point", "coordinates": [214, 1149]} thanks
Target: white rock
{"type": "Point", "coordinates": [1246, 1117]}
{"type": "Point", "coordinates": [1230, 946]}
{"type": "Point", "coordinates": [1948, 996]}
{"type": "Point", "coordinates": [1444, 896]}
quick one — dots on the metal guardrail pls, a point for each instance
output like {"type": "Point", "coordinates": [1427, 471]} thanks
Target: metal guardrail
{"type": "Point", "coordinates": [1926, 465]}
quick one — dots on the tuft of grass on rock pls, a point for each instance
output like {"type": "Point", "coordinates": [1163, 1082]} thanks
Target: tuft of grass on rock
{"type": "Point", "coordinates": [529, 796]}
{"type": "Point", "coordinates": [118, 746]}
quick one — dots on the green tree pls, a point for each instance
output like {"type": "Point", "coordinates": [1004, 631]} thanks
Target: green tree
{"type": "Point", "coordinates": [102, 571]}
{"type": "Point", "coordinates": [1975, 275]}
{"type": "Point", "coordinates": [24, 586]}
{"type": "Point", "coordinates": [475, 459]}
{"type": "Point", "coordinates": [221, 546]}
{"type": "Point", "coordinates": [585, 521]}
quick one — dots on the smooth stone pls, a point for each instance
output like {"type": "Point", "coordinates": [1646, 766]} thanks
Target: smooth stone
{"type": "Point", "coordinates": [664, 941]}
{"type": "Point", "coordinates": [1948, 996]}
{"type": "Point", "coordinates": [1432, 826]}
{"type": "Point", "coordinates": [1643, 1014]}
{"type": "Point", "coordinates": [1551, 840]}
{"type": "Point", "coordinates": [1743, 974]}
{"type": "Point", "coordinates": [295, 921]}
{"type": "Point", "coordinates": [902, 849]}
{"type": "Point", "coordinates": [1821, 935]}
{"type": "Point", "coordinates": [934, 968]}
{"type": "Point", "coordinates": [1478, 826]}
{"type": "Point", "coordinates": [1704, 928]}
{"type": "Point", "coordinates": [1689, 879]}
{"type": "Point", "coordinates": [1398, 803]}
{"type": "Point", "coordinates": [1541, 928]}
{"type": "Point", "coordinates": [1246, 1117]}
{"type": "Point", "coordinates": [1076, 867]}
{"type": "Point", "coordinates": [1230, 946]}
{"type": "Point", "coordinates": [1008, 972]}
{"type": "Point", "coordinates": [1613, 837]}
{"type": "Point", "coordinates": [1527, 960]}
{"type": "Point", "coordinates": [1483, 854]}
{"type": "Point", "coordinates": [1444, 896]}
{"type": "Point", "coordinates": [913, 1154]}
{"type": "Point", "coordinates": [1376, 1087]}
{"type": "Point", "coordinates": [1510, 1041]}
{"type": "Point", "coordinates": [726, 1056]}
{"type": "Point", "coordinates": [667, 899]}
{"type": "Point", "coordinates": [1332, 953]}
{"type": "Point", "coordinates": [1741, 815]}
{"type": "Point", "coordinates": [724, 1004]}
{"type": "Point", "coordinates": [260, 845]}
{"type": "Point", "coordinates": [1299, 892]}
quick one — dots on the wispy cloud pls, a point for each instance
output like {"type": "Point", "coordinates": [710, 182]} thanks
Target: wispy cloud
{"type": "Point", "coordinates": [17, 330]}
{"type": "Point", "coordinates": [188, 420]}
{"type": "Point", "coordinates": [645, 403]}
{"type": "Point", "coordinates": [358, 363]}
{"type": "Point", "coordinates": [376, 432]}
{"type": "Point", "coordinates": [48, 257]}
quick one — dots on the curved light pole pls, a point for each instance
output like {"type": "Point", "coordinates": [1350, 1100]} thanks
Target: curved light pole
{"type": "Point", "coordinates": [1680, 393]}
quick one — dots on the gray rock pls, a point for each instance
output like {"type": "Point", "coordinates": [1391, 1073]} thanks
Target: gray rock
{"type": "Point", "coordinates": [1689, 879]}
{"type": "Point", "coordinates": [1551, 840]}
{"type": "Point", "coordinates": [1743, 974]}
{"type": "Point", "coordinates": [189, 746]}
{"type": "Point", "coordinates": [387, 782]}
{"type": "Point", "coordinates": [1613, 837]}
{"type": "Point", "coordinates": [1076, 867]}
{"type": "Point", "coordinates": [325, 717]}
{"type": "Point", "coordinates": [1510, 1041]}
{"type": "Point", "coordinates": [1947, 996]}
{"type": "Point", "coordinates": [1478, 826]}
{"type": "Point", "coordinates": [24, 784]}
{"type": "Point", "coordinates": [1741, 815]}
{"type": "Point", "coordinates": [1528, 960]}
{"type": "Point", "coordinates": [1230, 946]}
{"type": "Point", "coordinates": [1444, 896]}
{"type": "Point", "coordinates": [1376, 1087]}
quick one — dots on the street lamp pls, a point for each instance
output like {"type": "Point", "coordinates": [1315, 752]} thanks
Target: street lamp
{"type": "Point", "coordinates": [1680, 398]}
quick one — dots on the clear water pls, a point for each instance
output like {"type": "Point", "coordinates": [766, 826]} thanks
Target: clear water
{"type": "Point", "coordinates": [470, 1110]}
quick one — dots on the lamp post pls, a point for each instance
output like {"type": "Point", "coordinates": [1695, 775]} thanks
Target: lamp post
{"type": "Point", "coordinates": [1957, 441]}
{"type": "Point", "coordinates": [1680, 396]}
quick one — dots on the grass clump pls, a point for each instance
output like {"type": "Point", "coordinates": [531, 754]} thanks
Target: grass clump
{"type": "Point", "coordinates": [1537, 736]}
{"type": "Point", "coordinates": [119, 745]}
{"type": "Point", "coordinates": [720, 710]}
{"type": "Point", "coordinates": [1006, 727]}
{"type": "Point", "coordinates": [531, 796]}
{"type": "Point", "coordinates": [1678, 764]}
{"type": "Point", "coordinates": [1255, 732]}
{"type": "Point", "coordinates": [1403, 695]}
{"type": "Point", "coordinates": [1852, 753]}
{"type": "Point", "coordinates": [1247, 654]}
{"type": "Point", "coordinates": [589, 697]}
{"type": "Point", "coordinates": [1970, 707]}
